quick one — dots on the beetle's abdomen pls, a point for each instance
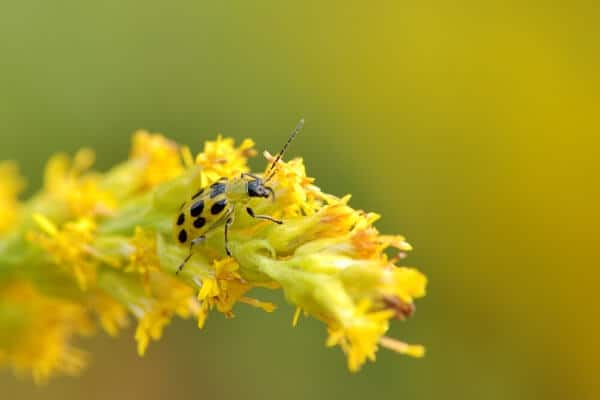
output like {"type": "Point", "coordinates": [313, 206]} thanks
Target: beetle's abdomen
{"type": "Point", "coordinates": [205, 210]}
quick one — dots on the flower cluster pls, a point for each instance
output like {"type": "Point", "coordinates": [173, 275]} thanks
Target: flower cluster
{"type": "Point", "coordinates": [95, 250]}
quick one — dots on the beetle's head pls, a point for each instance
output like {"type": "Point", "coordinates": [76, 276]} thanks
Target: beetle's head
{"type": "Point", "coordinates": [257, 188]}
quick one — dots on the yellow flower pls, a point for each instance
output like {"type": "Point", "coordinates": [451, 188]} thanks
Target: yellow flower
{"type": "Point", "coordinates": [221, 158]}
{"type": "Point", "coordinates": [70, 248]}
{"type": "Point", "coordinates": [88, 200]}
{"type": "Point", "coordinates": [11, 184]}
{"type": "Point", "coordinates": [170, 298]}
{"type": "Point", "coordinates": [359, 335]}
{"type": "Point", "coordinates": [224, 289]}
{"type": "Point", "coordinates": [144, 258]}
{"type": "Point", "coordinates": [102, 244]}
{"type": "Point", "coordinates": [333, 265]}
{"type": "Point", "coordinates": [164, 296]}
{"type": "Point", "coordinates": [75, 191]}
{"type": "Point", "coordinates": [160, 158]}
{"type": "Point", "coordinates": [294, 191]}
{"type": "Point", "coordinates": [37, 331]}
{"type": "Point", "coordinates": [111, 314]}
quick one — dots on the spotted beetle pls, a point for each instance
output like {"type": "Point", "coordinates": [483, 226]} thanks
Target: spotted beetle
{"type": "Point", "coordinates": [214, 206]}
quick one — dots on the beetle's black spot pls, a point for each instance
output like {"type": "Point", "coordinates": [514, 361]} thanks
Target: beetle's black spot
{"type": "Point", "coordinates": [197, 208]}
{"type": "Point", "coordinates": [199, 223]}
{"type": "Point", "coordinates": [217, 189]}
{"type": "Point", "coordinates": [218, 207]}
{"type": "Point", "coordinates": [182, 236]}
{"type": "Point", "coordinates": [198, 193]}
{"type": "Point", "coordinates": [181, 219]}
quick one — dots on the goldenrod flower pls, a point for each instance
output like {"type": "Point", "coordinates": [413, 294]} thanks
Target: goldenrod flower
{"type": "Point", "coordinates": [37, 329]}
{"type": "Point", "coordinates": [221, 159]}
{"type": "Point", "coordinates": [11, 185]}
{"type": "Point", "coordinates": [159, 158]}
{"type": "Point", "coordinates": [94, 249]}
{"type": "Point", "coordinates": [70, 248]}
{"type": "Point", "coordinates": [72, 190]}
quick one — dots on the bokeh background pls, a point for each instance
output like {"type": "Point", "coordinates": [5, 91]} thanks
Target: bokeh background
{"type": "Point", "coordinates": [473, 128]}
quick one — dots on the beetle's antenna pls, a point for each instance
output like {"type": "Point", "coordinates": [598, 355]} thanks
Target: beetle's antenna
{"type": "Point", "coordinates": [271, 171]}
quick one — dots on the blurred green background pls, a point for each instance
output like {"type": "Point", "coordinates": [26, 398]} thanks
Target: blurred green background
{"type": "Point", "coordinates": [472, 128]}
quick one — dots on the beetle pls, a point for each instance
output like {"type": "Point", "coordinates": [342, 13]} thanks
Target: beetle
{"type": "Point", "coordinates": [214, 206]}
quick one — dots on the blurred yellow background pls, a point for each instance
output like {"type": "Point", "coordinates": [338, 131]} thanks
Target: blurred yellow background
{"type": "Point", "coordinates": [473, 128]}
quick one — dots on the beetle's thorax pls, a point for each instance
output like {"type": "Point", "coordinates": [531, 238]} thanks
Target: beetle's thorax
{"type": "Point", "coordinates": [237, 190]}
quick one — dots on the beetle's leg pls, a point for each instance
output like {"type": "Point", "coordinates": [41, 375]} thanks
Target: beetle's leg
{"type": "Point", "coordinates": [265, 217]}
{"type": "Point", "coordinates": [194, 241]}
{"type": "Point", "coordinates": [228, 223]}
{"type": "Point", "coordinates": [270, 189]}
